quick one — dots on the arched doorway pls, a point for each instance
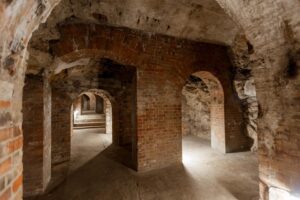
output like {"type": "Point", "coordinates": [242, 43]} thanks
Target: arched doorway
{"type": "Point", "coordinates": [85, 103]}
{"type": "Point", "coordinates": [203, 109]}
{"type": "Point", "coordinates": [91, 126]}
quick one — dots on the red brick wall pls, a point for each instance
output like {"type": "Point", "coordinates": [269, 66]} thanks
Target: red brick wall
{"type": "Point", "coordinates": [61, 134]}
{"type": "Point", "coordinates": [33, 134]}
{"type": "Point", "coordinates": [37, 135]}
{"type": "Point", "coordinates": [163, 65]}
{"type": "Point", "coordinates": [11, 141]}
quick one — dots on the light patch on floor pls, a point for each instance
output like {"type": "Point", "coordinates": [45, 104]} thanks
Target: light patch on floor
{"type": "Point", "coordinates": [87, 144]}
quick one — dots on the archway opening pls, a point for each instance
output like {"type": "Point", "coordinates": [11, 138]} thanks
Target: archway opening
{"type": "Point", "coordinates": [106, 90]}
{"type": "Point", "coordinates": [85, 103]}
{"type": "Point", "coordinates": [203, 109]}
{"type": "Point", "coordinates": [206, 116]}
{"type": "Point", "coordinates": [91, 127]}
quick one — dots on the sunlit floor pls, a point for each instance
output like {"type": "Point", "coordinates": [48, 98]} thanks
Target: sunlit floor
{"type": "Point", "coordinates": [204, 175]}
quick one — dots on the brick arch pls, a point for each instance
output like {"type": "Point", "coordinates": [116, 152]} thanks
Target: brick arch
{"type": "Point", "coordinates": [227, 123]}
{"type": "Point", "coordinates": [62, 127]}
{"type": "Point", "coordinates": [231, 132]}
{"type": "Point", "coordinates": [217, 113]}
{"type": "Point", "coordinates": [111, 92]}
{"type": "Point", "coordinates": [111, 107]}
{"type": "Point", "coordinates": [110, 110]}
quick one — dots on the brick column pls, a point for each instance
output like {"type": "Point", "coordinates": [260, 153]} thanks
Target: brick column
{"type": "Point", "coordinates": [37, 135]}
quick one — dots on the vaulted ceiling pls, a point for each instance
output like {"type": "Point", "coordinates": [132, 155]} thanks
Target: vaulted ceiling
{"type": "Point", "coordinates": [199, 20]}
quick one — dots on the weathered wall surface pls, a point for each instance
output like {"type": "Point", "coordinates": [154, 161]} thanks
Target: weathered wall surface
{"type": "Point", "coordinates": [272, 27]}
{"type": "Point", "coordinates": [37, 134]}
{"type": "Point", "coordinates": [47, 137]}
{"type": "Point", "coordinates": [243, 58]}
{"type": "Point", "coordinates": [18, 19]}
{"type": "Point", "coordinates": [196, 108]}
{"type": "Point", "coordinates": [33, 129]}
{"type": "Point", "coordinates": [61, 134]}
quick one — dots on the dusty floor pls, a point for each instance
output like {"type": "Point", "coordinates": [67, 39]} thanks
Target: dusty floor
{"type": "Point", "coordinates": [204, 175]}
{"type": "Point", "coordinates": [87, 144]}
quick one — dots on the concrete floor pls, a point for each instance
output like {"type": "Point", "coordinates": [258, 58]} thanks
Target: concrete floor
{"type": "Point", "coordinates": [98, 174]}
{"type": "Point", "coordinates": [87, 144]}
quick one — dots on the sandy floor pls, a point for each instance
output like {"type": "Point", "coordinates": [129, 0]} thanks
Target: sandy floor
{"type": "Point", "coordinates": [96, 174]}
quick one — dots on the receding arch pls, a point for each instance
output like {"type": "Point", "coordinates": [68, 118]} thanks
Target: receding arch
{"type": "Point", "coordinates": [91, 132]}
{"type": "Point", "coordinates": [217, 114]}
{"type": "Point", "coordinates": [114, 88]}
{"type": "Point", "coordinates": [227, 122]}
{"type": "Point", "coordinates": [85, 103]}
{"type": "Point", "coordinates": [203, 109]}
{"type": "Point", "coordinates": [109, 110]}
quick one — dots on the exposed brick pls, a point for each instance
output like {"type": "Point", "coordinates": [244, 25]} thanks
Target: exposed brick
{"type": "Point", "coordinates": [5, 118]}
{"type": "Point", "coordinates": [6, 194]}
{"type": "Point", "coordinates": [17, 183]}
{"type": "Point", "coordinates": [4, 104]}
{"type": "Point", "coordinates": [2, 184]}
{"type": "Point", "coordinates": [5, 166]}
{"type": "Point", "coordinates": [15, 144]}
{"type": "Point", "coordinates": [17, 131]}
{"type": "Point", "coordinates": [5, 134]}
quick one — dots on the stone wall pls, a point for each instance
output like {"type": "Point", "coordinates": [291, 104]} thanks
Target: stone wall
{"type": "Point", "coordinates": [272, 27]}
{"type": "Point", "coordinates": [196, 109]}
{"type": "Point", "coordinates": [243, 58]}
